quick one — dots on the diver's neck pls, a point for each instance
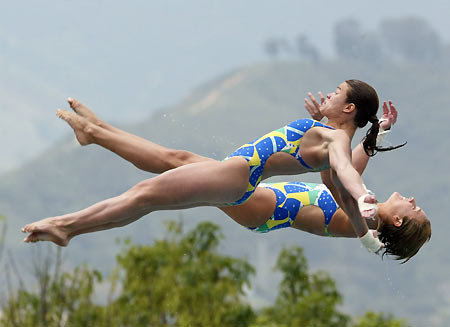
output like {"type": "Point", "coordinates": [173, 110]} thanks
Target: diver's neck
{"type": "Point", "coordinates": [347, 126]}
{"type": "Point", "coordinates": [382, 213]}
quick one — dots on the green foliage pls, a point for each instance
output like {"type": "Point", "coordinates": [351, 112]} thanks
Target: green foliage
{"type": "Point", "coordinates": [372, 319]}
{"type": "Point", "coordinates": [64, 300]}
{"type": "Point", "coordinates": [182, 280]}
{"type": "Point", "coordinates": [179, 281]}
{"type": "Point", "coordinates": [304, 299]}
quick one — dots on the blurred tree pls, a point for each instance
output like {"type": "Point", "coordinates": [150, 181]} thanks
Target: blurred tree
{"type": "Point", "coordinates": [411, 38]}
{"type": "Point", "coordinates": [352, 43]}
{"type": "Point", "coordinates": [179, 281]}
{"type": "Point", "coordinates": [271, 47]}
{"type": "Point", "coordinates": [61, 300]}
{"type": "Point", "coordinates": [372, 319]}
{"type": "Point", "coordinates": [304, 299]}
{"type": "Point", "coordinates": [307, 50]}
{"type": "Point", "coordinates": [276, 47]}
{"type": "Point", "coordinates": [182, 281]}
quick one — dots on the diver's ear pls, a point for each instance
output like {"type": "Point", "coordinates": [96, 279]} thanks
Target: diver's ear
{"type": "Point", "coordinates": [350, 108]}
{"type": "Point", "coordinates": [398, 221]}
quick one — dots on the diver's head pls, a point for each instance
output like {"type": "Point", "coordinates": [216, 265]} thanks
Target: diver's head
{"type": "Point", "coordinates": [405, 227]}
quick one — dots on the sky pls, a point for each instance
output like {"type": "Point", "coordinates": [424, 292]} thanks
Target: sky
{"type": "Point", "coordinates": [172, 46]}
{"type": "Point", "coordinates": [128, 58]}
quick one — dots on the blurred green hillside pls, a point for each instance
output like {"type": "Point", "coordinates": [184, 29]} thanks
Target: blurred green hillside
{"type": "Point", "coordinates": [236, 108]}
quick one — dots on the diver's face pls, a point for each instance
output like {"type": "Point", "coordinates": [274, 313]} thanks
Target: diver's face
{"type": "Point", "coordinates": [335, 101]}
{"type": "Point", "coordinates": [400, 206]}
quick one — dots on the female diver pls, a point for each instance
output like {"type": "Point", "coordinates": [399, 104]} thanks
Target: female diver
{"type": "Point", "coordinates": [401, 224]}
{"type": "Point", "coordinates": [297, 148]}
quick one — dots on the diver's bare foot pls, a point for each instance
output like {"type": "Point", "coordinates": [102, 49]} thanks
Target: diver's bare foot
{"type": "Point", "coordinates": [80, 126]}
{"type": "Point", "coordinates": [41, 236]}
{"type": "Point", "coordinates": [46, 230]}
{"type": "Point", "coordinates": [83, 111]}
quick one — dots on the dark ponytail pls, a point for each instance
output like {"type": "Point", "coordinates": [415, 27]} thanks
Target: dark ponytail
{"type": "Point", "coordinates": [370, 140]}
{"type": "Point", "coordinates": [365, 99]}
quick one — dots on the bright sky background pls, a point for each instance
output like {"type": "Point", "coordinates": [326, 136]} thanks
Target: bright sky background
{"type": "Point", "coordinates": [168, 47]}
{"type": "Point", "coordinates": [128, 58]}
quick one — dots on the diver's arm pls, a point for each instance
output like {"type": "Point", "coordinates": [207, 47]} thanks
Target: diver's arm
{"type": "Point", "coordinates": [350, 206]}
{"type": "Point", "coordinates": [360, 159]}
{"type": "Point", "coordinates": [341, 164]}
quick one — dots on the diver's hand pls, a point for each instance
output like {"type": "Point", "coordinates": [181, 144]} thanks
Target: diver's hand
{"type": "Point", "coordinates": [313, 107]}
{"type": "Point", "coordinates": [367, 204]}
{"type": "Point", "coordinates": [389, 117]}
{"type": "Point", "coordinates": [371, 242]}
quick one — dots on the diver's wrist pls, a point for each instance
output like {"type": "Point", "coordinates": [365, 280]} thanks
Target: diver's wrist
{"type": "Point", "coordinates": [370, 242]}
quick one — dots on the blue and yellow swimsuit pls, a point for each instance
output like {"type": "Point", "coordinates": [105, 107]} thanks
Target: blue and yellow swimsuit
{"type": "Point", "coordinates": [291, 197]}
{"type": "Point", "coordinates": [286, 139]}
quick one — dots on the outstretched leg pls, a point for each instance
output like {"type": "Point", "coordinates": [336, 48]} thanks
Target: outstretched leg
{"type": "Point", "coordinates": [60, 230]}
{"type": "Point", "coordinates": [210, 183]}
{"type": "Point", "coordinates": [143, 153]}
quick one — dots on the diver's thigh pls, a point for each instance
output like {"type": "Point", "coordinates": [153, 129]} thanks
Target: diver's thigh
{"type": "Point", "coordinates": [205, 183]}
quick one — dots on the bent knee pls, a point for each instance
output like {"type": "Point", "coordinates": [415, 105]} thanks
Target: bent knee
{"type": "Point", "coordinates": [179, 158]}
{"type": "Point", "coordinates": [142, 195]}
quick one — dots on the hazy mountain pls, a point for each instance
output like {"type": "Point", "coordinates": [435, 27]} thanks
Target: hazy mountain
{"type": "Point", "coordinates": [236, 108]}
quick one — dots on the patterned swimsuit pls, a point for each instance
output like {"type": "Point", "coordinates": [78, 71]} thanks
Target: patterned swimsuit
{"type": "Point", "coordinates": [291, 197]}
{"type": "Point", "coordinates": [286, 139]}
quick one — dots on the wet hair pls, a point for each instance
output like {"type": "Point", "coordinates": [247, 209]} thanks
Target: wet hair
{"type": "Point", "coordinates": [365, 99]}
{"type": "Point", "coordinates": [405, 241]}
